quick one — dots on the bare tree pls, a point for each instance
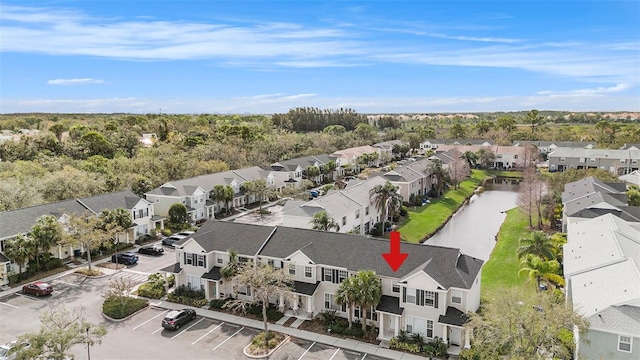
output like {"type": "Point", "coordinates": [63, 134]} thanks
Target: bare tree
{"type": "Point", "coordinates": [531, 196]}
{"type": "Point", "coordinates": [86, 230]}
{"type": "Point", "coordinates": [458, 171]}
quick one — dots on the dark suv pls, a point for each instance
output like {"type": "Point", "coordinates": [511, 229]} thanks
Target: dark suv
{"type": "Point", "coordinates": [177, 318]}
{"type": "Point", "coordinates": [127, 258]}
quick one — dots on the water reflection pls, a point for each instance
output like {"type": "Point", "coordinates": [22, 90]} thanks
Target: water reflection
{"type": "Point", "coordinates": [474, 227]}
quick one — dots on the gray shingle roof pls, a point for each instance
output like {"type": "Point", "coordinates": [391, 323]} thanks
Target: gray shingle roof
{"type": "Point", "coordinates": [619, 319]}
{"type": "Point", "coordinates": [20, 221]}
{"type": "Point", "coordinates": [216, 235]}
{"type": "Point", "coordinates": [623, 213]}
{"type": "Point", "coordinates": [588, 201]}
{"type": "Point", "coordinates": [305, 288]}
{"type": "Point", "coordinates": [454, 317]}
{"type": "Point", "coordinates": [213, 274]}
{"type": "Point", "coordinates": [446, 265]}
{"type": "Point", "coordinates": [174, 269]}
{"type": "Point", "coordinates": [335, 249]}
{"type": "Point", "coordinates": [590, 185]}
{"type": "Point", "coordinates": [390, 304]}
{"type": "Point", "coordinates": [186, 187]}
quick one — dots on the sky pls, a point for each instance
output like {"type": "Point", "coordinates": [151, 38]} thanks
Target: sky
{"type": "Point", "coordinates": [270, 56]}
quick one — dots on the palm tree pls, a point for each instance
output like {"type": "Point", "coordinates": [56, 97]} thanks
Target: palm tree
{"type": "Point", "coordinates": [386, 199]}
{"type": "Point", "coordinates": [539, 244]}
{"type": "Point", "coordinates": [538, 269]}
{"type": "Point", "coordinates": [438, 173]}
{"type": "Point", "coordinates": [217, 194]}
{"type": "Point", "coordinates": [228, 198]}
{"type": "Point", "coordinates": [369, 291]}
{"type": "Point", "coordinates": [20, 249]}
{"type": "Point", "coordinates": [322, 221]}
{"type": "Point", "coordinates": [470, 157]}
{"type": "Point", "coordinates": [346, 295]}
{"type": "Point", "coordinates": [45, 233]}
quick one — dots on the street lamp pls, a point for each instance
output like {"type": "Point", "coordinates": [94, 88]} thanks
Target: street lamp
{"type": "Point", "coordinates": [88, 347]}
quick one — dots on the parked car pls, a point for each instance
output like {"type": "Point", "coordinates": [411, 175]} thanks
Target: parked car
{"type": "Point", "coordinates": [177, 318]}
{"type": "Point", "coordinates": [186, 233]}
{"type": "Point", "coordinates": [314, 193]}
{"type": "Point", "coordinates": [127, 258]}
{"type": "Point", "coordinates": [7, 354]}
{"type": "Point", "coordinates": [38, 288]}
{"type": "Point", "coordinates": [156, 250]}
{"type": "Point", "coordinates": [169, 241]}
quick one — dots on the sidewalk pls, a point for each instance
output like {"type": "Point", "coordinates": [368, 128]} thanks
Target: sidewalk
{"type": "Point", "coordinates": [346, 344]}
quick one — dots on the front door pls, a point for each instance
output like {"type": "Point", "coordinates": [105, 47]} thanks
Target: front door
{"type": "Point", "coordinates": [455, 334]}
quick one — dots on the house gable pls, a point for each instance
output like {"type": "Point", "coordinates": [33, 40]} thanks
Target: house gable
{"type": "Point", "coordinates": [421, 280]}
{"type": "Point", "coordinates": [300, 258]}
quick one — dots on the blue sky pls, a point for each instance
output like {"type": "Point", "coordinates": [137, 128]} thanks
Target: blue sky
{"type": "Point", "coordinates": [269, 56]}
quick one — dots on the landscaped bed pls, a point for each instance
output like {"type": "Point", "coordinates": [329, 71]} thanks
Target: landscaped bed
{"type": "Point", "coordinates": [330, 324]}
{"type": "Point", "coordinates": [261, 346]}
{"type": "Point", "coordinates": [118, 307]}
{"type": "Point", "coordinates": [254, 311]}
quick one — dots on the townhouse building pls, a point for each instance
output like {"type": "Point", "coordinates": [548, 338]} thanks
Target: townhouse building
{"type": "Point", "coordinates": [351, 208]}
{"type": "Point", "coordinates": [430, 294]}
{"type": "Point", "coordinates": [292, 172]}
{"type": "Point", "coordinates": [618, 162]}
{"type": "Point", "coordinates": [20, 221]}
{"type": "Point", "coordinates": [545, 147]}
{"type": "Point", "coordinates": [589, 198]}
{"type": "Point", "coordinates": [194, 192]}
{"type": "Point", "coordinates": [411, 179]}
{"type": "Point", "coordinates": [348, 158]}
{"type": "Point", "coordinates": [506, 157]}
{"type": "Point", "coordinates": [433, 144]}
{"type": "Point", "coordinates": [602, 278]}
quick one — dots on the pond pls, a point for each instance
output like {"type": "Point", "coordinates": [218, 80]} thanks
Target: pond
{"type": "Point", "coordinates": [474, 227]}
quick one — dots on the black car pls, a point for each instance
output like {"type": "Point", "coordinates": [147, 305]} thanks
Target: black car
{"type": "Point", "coordinates": [127, 258]}
{"type": "Point", "coordinates": [177, 318]}
{"type": "Point", "coordinates": [155, 250]}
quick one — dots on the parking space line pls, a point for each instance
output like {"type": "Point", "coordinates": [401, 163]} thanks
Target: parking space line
{"type": "Point", "coordinates": [210, 331]}
{"type": "Point", "coordinates": [157, 330]}
{"type": "Point", "coordinates": [162, 313]}
{"type": "Point", "coordinates": [66, 283]}
{"type": "Point", "coordinates": [365, 355]}
{"type": "Point", "coordinates": [334, 354]}
{"type": "Point", "coordinates": [306, 351]}
{"type": "Point", "coordinates": [13, 306]}
{"type": "Point", "coordinates": [227, 339]}
{"type": "Point", "coordinates": [194, 324]}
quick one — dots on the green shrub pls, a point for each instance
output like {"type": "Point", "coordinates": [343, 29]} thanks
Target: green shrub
{"type": "Point", "coordinates": [166, 232]}
{"type": "Point", "coordinates": [184, 290]}
{"type": "Point", "coordinates": [171, 280]}
{"type": "Point", "coordinates": [217, 303]}
{"type": "Point", "coordinates": [113, 306]}
{"type": "Point", "coordinates": [258, 342]}
{"type": "Point", "coordinates": [406, 346]}
{"type": "Point", "coordinates": [436, 348]}
{"type": "Point", "coordinates": [328, 317]}
{"type": "Point", "coordinates": [152, 291]}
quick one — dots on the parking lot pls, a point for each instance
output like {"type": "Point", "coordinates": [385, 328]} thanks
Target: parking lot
{"type": "Point", "coordinates": [202, 338]}
{"type": "Point", "coordinates": [142, 336]}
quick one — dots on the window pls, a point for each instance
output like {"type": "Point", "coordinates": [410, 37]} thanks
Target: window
{"type": "Point", "coordinates": [342, 274]}
{"type": "Point", "coordinates": [592, 160]}
{"type": "Point", "coordinates": [366, 211]}
{"type": "Point", "coordinates": [243, 290]}
{"type": "Point", "coordinates": [357, 214]}
{"type": "Point", "coordinates": [356, 312]}
{"type": "Point", "coordinates": [395, 287]}
{"type": "Point", "coordinates": [307, 271]}
{"type": "Point", "coordinates": [344, 220]}
{"type": "Point", "coordinates": [563, 159]}
{"type": "Point", "coordinates": [429, 298]}
{"type": "Point", "coordinates": [219, 260]}
{"type": "Point", "coordinates": [622, 161]}
{"type": "Point", "coordinates": [582, 160]}
{"type": "Point", "coordinates": [328, 275]}
{"type": "Point", "coordinates": [411, 296]}
{"type": "Point", "coordinates": [456, 296]}
{"type": "Point", "coordinates": [515, 156]}
{"type": "Point", "coordinates": [422, 326]}
{"type": "Point", "coordinates": [292, 269]}
{"type": "Point", "coordinates": [202, 261]}
{"type": "Point", "coordinates": [188, 258]}
{"type": "Point", "coordinates": [634, 161]}
{"type": "Point", "coordinates": [624, 343]}
{"type": "Point", "coordinates": [429, 329]}
{"type": "Point", "coordinates": [329, 304]}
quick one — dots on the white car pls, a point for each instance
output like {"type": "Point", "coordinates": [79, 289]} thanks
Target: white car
{"type": "Point", "coordinates": [5, 350]}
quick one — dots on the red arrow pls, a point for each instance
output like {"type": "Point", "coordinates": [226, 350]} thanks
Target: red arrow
{"type": "Point", "coordinates": [394, 258]}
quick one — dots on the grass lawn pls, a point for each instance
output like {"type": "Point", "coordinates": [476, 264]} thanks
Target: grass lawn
{"type": "Point", "coordinates": [425, 220]}
{"type": "Point", "coordinates": [501, 270]}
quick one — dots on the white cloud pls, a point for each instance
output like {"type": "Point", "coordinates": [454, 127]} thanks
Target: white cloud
{"type": "Point", "coordinates": [276, 103]}
{"type": "Point", "coordinates": [82, 81]}
{"type": "Point", "coordinates": [595, 91]}
{"type": "Point", "coordinates": [263, 46]}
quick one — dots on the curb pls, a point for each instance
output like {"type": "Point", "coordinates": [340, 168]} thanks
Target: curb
{"type": "Point", "coordinates": [246, 353]}
{"type": "Point", "coordinates": [125, 318]}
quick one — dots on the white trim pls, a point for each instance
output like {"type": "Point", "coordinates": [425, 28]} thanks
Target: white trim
{"type": "Point", "coordinates": [630, 343]}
